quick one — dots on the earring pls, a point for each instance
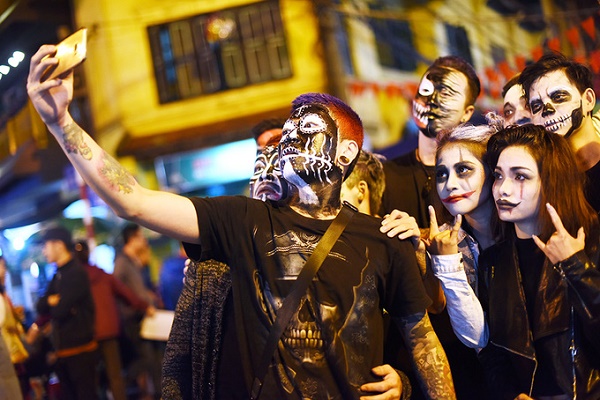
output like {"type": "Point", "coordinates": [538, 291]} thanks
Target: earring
{"type": "Point", "coordinates": [344, 160]}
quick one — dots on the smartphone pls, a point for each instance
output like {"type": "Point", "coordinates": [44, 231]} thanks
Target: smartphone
{"type": "Point", "coordinates": [70, 53]}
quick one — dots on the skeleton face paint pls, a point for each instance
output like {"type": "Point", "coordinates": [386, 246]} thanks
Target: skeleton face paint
{"type": "Point", "coordinates": [308, 147]}
{"type": "Point", "coordinates": [556, 103]}
{"type": "Point", "coordinates": [440, 102]}
{"type": "Point", "coordinates": [266, 183]}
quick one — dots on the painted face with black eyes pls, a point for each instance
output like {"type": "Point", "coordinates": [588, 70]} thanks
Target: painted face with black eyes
{"type": "Point", "coordinates": [308, 147]}
{"type": "Point", "coordinates": [460, 180]}
{"type": "Point", "coordinates": [556, 103]}
{"type": "Point", "coordinates": [440, 102]}
{"type": "Point", "coordinates": [266, 182]}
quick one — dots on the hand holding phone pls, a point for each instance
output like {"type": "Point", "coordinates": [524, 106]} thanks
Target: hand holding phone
{"type": "Point", "coordinates": [70, 53]}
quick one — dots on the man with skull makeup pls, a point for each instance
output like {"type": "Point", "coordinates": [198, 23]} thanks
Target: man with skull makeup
{"type": "Point", "coordinates": [445, 99]}
{"type": "Point", "coordinates": [336, 338]}
{"type": "Point", "coordinates": [561, 98]}
{"type": "Point", "coordinates": [205, 305]}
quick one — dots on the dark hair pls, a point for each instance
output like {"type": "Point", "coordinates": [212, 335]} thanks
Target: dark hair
{"type": "Point", "coordinates": [266, 125]}
{"type": "Point", "coordinates": [511, 82]}
{"type": "Point", "coordinates": [128, 232]}
{"type": "Point", "coordinates": [369, 168]}
{"type": "Point", "coordinates": [562, 184]}
{"type": "Point", "coordinates": [578, 74]}
{"type": "Point", "coordinates": [467, 69]}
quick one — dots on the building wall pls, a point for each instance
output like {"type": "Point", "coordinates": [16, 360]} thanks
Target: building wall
{"type": "Point", "coordinates": [120, 75]}
{"type": "Point", "coordinates": [382, 95]}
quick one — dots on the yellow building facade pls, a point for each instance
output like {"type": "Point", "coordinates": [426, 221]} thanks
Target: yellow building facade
{"type": "Point", "coordinates": [122, 87]}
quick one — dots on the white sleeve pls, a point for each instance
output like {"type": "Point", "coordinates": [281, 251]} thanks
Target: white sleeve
{"type": "Point", "coordinates": [464, 308]}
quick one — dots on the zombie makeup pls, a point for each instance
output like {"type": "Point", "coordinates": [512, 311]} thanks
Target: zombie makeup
{"type": "Point", "coordinates": [440, 101]}
{"type": "Point", "coordinates": [517, 189]}
{"type": "Point", "coordinates": [556, 103]}
{"type": "Point", "coordinates": [308, 147]}
{"type": "Point", "coordinates": [266, 183]}
{"type": "Point", "coordinates": [516, 109]}
{"type": "Point", "coordinates": [460, 180]}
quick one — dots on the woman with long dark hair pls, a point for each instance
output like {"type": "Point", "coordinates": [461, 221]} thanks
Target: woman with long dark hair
{"type": "Point", "coordinates": [541, 288]}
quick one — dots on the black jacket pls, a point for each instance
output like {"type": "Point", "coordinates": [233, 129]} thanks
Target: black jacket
{"type": "Point", "coordinates": [73, 316]}
{"type": "Point", "coordinates": [567, 312]}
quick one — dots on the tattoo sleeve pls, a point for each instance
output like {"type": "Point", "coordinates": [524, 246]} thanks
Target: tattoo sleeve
{"type": "Point", "coordinates": [428, 356]}
{"type": "Point", "coordinates": [113, 173]}
{"type": "Point", "coordinates": [117, 176]}
{"type": "Point", "coordinates": [74, 143]}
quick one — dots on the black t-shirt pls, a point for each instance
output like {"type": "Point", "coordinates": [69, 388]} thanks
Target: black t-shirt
{"type": "Point", "coordinates": [331, 344]}
{"type": "Point", "coordinates": [410, 187]}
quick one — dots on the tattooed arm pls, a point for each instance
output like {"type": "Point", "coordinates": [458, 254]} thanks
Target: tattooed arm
{"type": "Point", "coordinates": [428, 356]}
{"type": "Point", "coordinates": [164, 212]}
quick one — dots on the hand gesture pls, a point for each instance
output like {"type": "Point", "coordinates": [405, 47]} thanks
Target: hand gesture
{"type": "Point", "coordinates": [398, 223]}
{"type": "Point", "coordinates": [446, 242]}
{"type": "Point", "coordinates": [390, 387]}
{"type": "Point", "coordinates": [561, 244]}
{"type": "Point", "coordinates": [50, 98]}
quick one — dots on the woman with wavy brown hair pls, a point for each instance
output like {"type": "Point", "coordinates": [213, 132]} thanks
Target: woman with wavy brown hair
{"type": "Point", "coordinates": [541, 289]}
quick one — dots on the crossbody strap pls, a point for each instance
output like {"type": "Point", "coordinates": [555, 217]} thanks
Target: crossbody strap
{"type": "Point", "coordinates": [292, 300]}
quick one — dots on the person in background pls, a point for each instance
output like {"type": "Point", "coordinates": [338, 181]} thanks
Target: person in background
{"type": "Point", "coordinates": [9, 383]}
{"type": "Point", "coordinates": [516, 108]}
{"type": "Point", "coordinates": [139, 354]}
{"type": "Point", "coordinates": [68, 300]}
{"type": "Point", "coordinates": [365, 185]}
{"type": "Point", "coordinates": [170, 280]}
{"type": "Point", "coordinates": [561, 97]}
{"type": "Point", "coordinates": [267, 133]}
{"type": "Point", "coordinates": [542, 275]}
{"type": "Point", "coordinates": [106, 289]}
{"type": "Point", "coordinates": [42, 360]}
{"type": "Point", "coordinates": [445, 98]}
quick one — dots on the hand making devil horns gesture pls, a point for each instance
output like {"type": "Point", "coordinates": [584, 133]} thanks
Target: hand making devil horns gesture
{"type": "Point", "coordinates": [445, 242]}
{"type": "Point", "coordinates": [561, 244]}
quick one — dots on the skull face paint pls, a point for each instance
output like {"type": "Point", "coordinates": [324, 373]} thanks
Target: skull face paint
{"type": "Point", "coordinates": [266, 183]}
{"type": "Point", "coordinates": [556, 103]}
{"type": "Point", "coordinates": [308, 148]}
{"type": "Point", "coordinates": [440, 102]}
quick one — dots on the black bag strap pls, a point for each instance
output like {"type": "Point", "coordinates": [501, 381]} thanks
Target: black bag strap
{"type": "Point", "coordinates": [292, 300]}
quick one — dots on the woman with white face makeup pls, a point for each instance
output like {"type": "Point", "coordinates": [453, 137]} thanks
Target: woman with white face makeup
{"type": "Point", "coordinates": [463, 183]}
{"type": "Point", "coordinates": [542, 286]}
